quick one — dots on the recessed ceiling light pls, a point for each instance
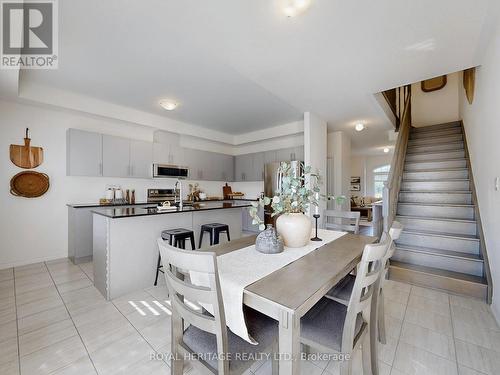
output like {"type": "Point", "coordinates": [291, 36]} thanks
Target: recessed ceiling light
{"type": "Point", "coordinates": [169, 105]}
{"type": "Point", "coordinates": [293, 7]}
{"type": "Point", "coordinates": [386, 150]}
{"type": "Point", "coordinates": [359, 127]}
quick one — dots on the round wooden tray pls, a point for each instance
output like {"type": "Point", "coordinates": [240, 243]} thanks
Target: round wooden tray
{"type": "Point", "coordinates": [29, 184]}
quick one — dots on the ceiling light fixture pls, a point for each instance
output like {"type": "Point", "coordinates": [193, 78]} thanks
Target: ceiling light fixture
{"type": "Point", "coordinates": [359, 127]}
{"type": "Point", "coordinates": [169, 105]}
{"type": "Point", "coordinates": [386, 150]}
{"type": "Point", "coordinates": [294, 7]}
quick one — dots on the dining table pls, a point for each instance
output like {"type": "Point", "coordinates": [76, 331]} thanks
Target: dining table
{"type": "Point", "coordinates": [290, 292]}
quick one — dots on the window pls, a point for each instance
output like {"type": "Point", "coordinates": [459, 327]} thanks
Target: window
{"type": "Point", "coordinates": [380, 175]}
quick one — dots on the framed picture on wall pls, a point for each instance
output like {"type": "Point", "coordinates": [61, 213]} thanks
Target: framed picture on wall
{"type": "Point", "coordinates": [355, 187]}
{"type": "Point", "coordinates": [355, 180]}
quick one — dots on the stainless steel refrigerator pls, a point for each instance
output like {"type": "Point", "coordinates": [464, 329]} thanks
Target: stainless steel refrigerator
{"type": "Point", "coordinates": [272, 183]}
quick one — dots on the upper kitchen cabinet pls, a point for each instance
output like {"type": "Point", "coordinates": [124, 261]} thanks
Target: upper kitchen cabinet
{"type": "Point", "coordinates": [115, 156]}
{"type": "Point", "coordinates": [227, 168]}
{"type": "Point", "coordinates": [169, 154]}
{"type": "Point", "coordinates": [270, 157]}
{"type": "Point", "coordinates": [298, 153]}
{"type": "Point", "coordinates": [243, 167]}
{"type": "Point", "coordinates": [258, 167]}
{"type": "Point", "coordinates": [141, 159]}
{"type": "Point", "coordinates": [83, 153]}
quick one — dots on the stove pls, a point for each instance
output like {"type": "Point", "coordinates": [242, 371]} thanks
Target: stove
{"type": "Point", "coordinates": [162, 195]}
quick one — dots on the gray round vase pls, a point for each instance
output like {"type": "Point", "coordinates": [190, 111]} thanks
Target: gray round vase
{"type": "Point", "coordinates": [268, 242]}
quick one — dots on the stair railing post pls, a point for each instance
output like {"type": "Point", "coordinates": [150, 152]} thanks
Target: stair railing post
{"type": "Point", "coordinates": [386, 206]}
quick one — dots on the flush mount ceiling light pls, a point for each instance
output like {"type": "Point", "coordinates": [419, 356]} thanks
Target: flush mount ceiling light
{"type": "Point", "coordinates": [293, 7]}
{"type": "Point", "coordinates": [168, 104]}
{"type": "Point", "coordinates": [359, 127]}
{"type": "Point", "coordinates": [386, 150]}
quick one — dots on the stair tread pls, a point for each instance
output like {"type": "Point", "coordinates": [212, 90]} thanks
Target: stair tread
{"type": "Point", "coordinates": [439, 272]}
{"type": "Point", "coordinates": [433, 161]}
{"type": "Point", "coordinates": [437, 192]}
{"type": "Point", "coordinates": [436, 204]}
{"type": "Point", "coordinates": [436, 218]}
{"type": "Point", "coordinates": [439, 170]}
{"type": "Point", "coordinates": [434, 179]}
{"type": "Point", "coordinates": [467, 237]}
{"type": "Point", "coordinates": [434, 152]}
{"type": "Point", "coordinates": [447, 253]}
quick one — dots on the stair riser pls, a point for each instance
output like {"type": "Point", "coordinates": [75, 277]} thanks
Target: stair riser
{"type": "Point", "coordinates": [455, 227]}
{"type": "Point", "coordinates": [435, 185]}
{"type": "Point", "coordinates": [432, 140]}
{"type": "Point", "coordinates": [437, 242]}
{"type": "Point", "coordinates": [461, 265]}
{"type": "Point", "coordinates": [436, 156]}
{"type": "Point", "coordinates": [446, 126]}
{"type": "Point", "coordinates": [450, 198]}
{"type": "Point", "coordinates": [435, 175]}
{"type": "Point", "coordinates": [433, 134]}
{"type": "Point", "coordinates": [447, 284]}
{"type": "Point", "coordinates": [442, 164]}
{"type": "Point", "coordinates": [464, 213]}
{"type": "Point", "coordinates": [438, 147]}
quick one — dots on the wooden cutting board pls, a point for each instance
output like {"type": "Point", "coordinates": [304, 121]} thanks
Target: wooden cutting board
{"type": "Point", "coordinates": [26, 156]}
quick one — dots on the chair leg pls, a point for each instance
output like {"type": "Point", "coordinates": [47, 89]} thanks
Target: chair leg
{"type": "Point", "coordinates": [211, 237]}
{"type": "Point", "coordinates": [216, 237]}
{"type": "Point", "coordinates": [177, 363]}
{"type": "Point", "coordinates": [191, 237]}
{"type": "Point", "coordinates": [157, 269]}
{"type": "Point", "coordinates": [201, 239]}
{"type": "Point", "coordinates": [228, 236]}
{"type": "Point", "coordinates": [274, 359]}
{"type": "Point", "coordinates": [367, 355]}
{"type": "Point", "coordinates": [381, 319]}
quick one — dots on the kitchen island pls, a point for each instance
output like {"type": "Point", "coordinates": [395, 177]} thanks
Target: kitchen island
{"type": "Point", "coordinates": [125, 250]}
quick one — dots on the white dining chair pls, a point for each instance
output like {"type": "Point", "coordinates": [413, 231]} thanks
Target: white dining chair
{"type": "Point", "coordinates": [341, 220]}
{"type": "Point", "coordinates": [207, 343]}
{"type": "Point", "coordinates": [333, 327]}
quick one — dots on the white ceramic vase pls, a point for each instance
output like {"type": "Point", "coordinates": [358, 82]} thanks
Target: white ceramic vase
{"type": "Point", "coordinates": [294, 228]}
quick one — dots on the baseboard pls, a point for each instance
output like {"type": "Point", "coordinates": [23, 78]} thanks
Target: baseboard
{"type": "Point", "coordinates": [25, 262]}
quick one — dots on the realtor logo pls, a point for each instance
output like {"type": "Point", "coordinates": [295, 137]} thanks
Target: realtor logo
{"type": "Point", "coordinates": [29, 34]}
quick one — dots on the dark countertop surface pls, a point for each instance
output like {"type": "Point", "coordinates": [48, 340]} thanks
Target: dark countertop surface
{"type": "Point", "coordinates": [98, 205]}
{"type": "Point", "coordinates": [121, 212]}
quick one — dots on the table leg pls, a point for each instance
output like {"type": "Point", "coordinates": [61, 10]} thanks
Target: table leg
{"type": "Point", "coordinates": [289, 344]}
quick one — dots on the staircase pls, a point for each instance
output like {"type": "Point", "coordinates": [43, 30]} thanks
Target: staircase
{"type": "Point", "coordinates": [440, 246]}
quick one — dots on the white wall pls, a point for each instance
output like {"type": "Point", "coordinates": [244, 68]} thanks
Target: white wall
{"type": "Point", "coordinates": [436, 107]}
{"type": "Point", "coordinates": [36, 229]}
{"type": "Point", "coordinates": [315, 148]}
{"type": "Point", "coordinates": [481, 122]}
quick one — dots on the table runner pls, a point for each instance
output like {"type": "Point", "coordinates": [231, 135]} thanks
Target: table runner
{"type": "Point", "coordinates": [240, 268]}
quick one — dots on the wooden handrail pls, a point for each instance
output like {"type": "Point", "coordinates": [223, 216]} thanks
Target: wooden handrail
{"type": "Point", "coordinates": [393, 183]}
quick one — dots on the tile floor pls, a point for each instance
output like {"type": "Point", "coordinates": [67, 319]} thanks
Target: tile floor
{"type": "Point", "coordinates": [53, 321]}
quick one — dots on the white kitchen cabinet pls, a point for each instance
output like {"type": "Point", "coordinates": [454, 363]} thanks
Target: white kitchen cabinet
{"type": "Point", "coordinates": [161, 153]}
{"type": "Point", "coordinates": [115, 156]}
{"type": "Point", "coordinates": [243, 167]}
{"type": "Point", "coordinates": [299, 153]}
{"type": "Point", "coordinates": [176, 155]}
{"type": "Point", "coordinates": [258, 167]}
{"type": "Point", "coordinates": [141, 159]}
{"type": "Point", "coordinates": [269, 157]}
{"type": "Point", "coordinates": [83, 153]}
{"type": "Point", "coordinates": [228, 168]}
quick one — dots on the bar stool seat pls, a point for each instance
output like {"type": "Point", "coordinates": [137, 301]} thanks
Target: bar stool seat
{"type": "Point", "coordinates": [176, 237]}
{"type": "Point", "coordinates": [214, 230]}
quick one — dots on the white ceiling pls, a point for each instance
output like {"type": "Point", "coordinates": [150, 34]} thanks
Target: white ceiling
{"type": "Point", "coordinates": [239, 66]}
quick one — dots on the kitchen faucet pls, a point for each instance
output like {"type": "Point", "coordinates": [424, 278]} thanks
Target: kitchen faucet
{"type": "Point", "coordinates": [178, 183]}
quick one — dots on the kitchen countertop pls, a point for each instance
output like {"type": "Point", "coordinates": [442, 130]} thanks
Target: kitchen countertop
{"type": "Point", "coordinates": [98, 205]}
{"type": "Point", "coordinates": [116, 213]}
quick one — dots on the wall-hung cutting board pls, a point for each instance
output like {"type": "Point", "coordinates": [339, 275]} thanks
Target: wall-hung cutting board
{"type": "Point", "coordinates": [29, 184]}
{"type": "Point", "coordinates": [26, 156]}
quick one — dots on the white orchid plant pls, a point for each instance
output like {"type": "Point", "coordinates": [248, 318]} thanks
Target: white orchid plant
{"type": "Point", "coordinates": [296, 193]}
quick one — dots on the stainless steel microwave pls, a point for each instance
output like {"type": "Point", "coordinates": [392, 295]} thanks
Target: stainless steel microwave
{"type": "Point", "coordinates": [170, 171]}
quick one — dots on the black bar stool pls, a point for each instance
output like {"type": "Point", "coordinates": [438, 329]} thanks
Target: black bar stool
{"type": "Point", "coordinates": [175, 237]}
{"type": "Point", "coordinates": [214, 230]}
